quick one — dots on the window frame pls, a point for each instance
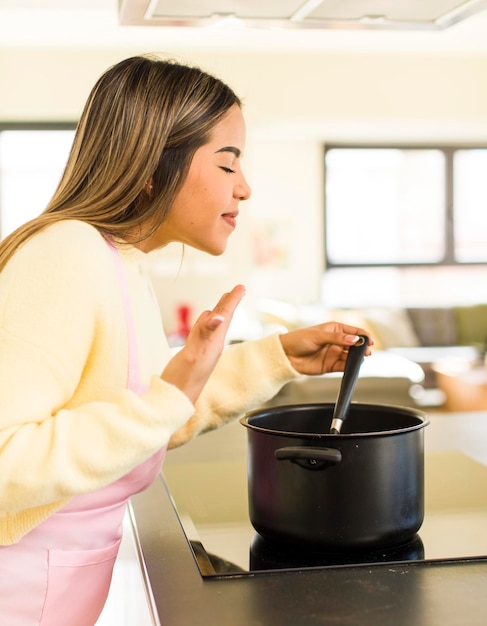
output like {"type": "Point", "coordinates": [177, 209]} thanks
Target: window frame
{"type": "Point", "coordinates": [38, 125]}
{"type": "Point", "coordinates": [448, 150]}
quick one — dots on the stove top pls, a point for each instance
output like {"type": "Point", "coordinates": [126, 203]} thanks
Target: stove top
{"type": "Point", "coordinates": [224, 543]}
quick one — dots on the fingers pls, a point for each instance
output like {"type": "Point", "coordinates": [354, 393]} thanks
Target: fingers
{"type": "Point", "coordinates": [353, 339]}
{"type": "Point", "coordinates": [325, 344]}
{"type": "Point", "coordinates": [214, 321]}
{"type": "Point", "coordinates": [352, 333]}
{"type": "Point", "coordinates": [225, 308]}
{"type": "Point", "coordinates": [191, 367]}
{"type": "Point", "coordinates": [222, 312]}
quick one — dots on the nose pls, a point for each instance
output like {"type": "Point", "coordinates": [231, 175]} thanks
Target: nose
{"type": "Point", "coordinates": [242, 189]}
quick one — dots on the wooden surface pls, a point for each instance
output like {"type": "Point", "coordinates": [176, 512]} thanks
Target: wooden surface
{"type": "Point", "coordinates": [464, 385]}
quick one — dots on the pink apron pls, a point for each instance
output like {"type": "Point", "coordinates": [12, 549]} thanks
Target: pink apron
{"type": "Point", "coordinates": [59, 573]}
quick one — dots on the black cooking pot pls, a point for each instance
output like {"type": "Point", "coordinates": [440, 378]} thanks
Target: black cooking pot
{"type": "Point", "coordinates": [360, 489]}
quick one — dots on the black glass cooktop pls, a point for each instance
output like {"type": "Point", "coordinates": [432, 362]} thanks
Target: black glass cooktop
{"type": "Point", "coordinates": [224, 543]}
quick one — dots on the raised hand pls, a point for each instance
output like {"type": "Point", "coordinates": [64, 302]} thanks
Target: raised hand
{"type": "Point", "coordinates": [191, 367]}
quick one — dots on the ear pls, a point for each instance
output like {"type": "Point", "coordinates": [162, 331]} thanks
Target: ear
{"type": "Point", "coordinates": [149, 186]}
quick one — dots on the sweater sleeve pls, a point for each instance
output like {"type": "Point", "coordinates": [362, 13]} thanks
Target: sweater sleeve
{"type": "Point", "coordinates": [246, 376]}
{"type": "Point", "coordinates": [67, 423]}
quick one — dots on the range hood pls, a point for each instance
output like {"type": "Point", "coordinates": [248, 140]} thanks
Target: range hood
{"type": "Point", "coordinates": [416, 15]}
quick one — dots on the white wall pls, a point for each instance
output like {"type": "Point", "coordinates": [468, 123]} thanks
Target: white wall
{"type": "Point", "coordinates": [294, 102]}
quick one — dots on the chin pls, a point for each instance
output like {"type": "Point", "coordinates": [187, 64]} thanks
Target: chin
{"type": "Point", "coordinates": [217, 252]}
{"type": "Point", "coordinates": [216, 249]}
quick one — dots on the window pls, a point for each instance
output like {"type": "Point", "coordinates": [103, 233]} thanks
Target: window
{"type": "Point", "coordinates": [470, 205]}
{"type": "Point", "coordinates": [392, 206]}
{"type": "Point", "coordinates": [32, 159]}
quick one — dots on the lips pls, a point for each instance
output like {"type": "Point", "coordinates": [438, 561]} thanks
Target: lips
{"type": "Point", "coordinates": [230, 219]}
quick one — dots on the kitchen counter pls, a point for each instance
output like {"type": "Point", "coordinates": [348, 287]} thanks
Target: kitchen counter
{"type": "Point", "coordinates": [420, 593]}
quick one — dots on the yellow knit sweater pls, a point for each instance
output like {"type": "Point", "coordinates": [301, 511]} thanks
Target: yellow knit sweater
{"type": "Point", "coordinates": [68, 425]}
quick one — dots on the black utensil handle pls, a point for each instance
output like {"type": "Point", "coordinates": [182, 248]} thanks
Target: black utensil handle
{"type": "Point", "coordinates": [355, 357]}
{"type": "Point", "coordinates": [309, 458]}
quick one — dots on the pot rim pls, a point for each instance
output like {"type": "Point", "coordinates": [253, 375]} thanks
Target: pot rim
{"type": "Point", "coordinates": [262, 412]}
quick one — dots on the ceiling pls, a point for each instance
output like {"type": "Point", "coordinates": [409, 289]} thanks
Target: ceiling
{"type": "Point", "coordinates": [343, 14]}
{"type": "Point", "coordinates": [412, 26]}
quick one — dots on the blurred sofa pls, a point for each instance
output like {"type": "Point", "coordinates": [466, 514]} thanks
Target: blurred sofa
{"type": "Point", "coordinates": [458, 332]}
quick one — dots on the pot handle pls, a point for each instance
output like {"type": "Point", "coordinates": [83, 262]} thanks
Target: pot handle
{"type": "Point", "coordinates": [309, 458]}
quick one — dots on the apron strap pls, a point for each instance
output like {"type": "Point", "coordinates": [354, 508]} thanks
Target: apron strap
{"type": "Point", "coordinates": [133, 374]}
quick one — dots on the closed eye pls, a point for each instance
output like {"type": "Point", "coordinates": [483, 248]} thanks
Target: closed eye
{"type": "Point", "coordinates": [227, 169]}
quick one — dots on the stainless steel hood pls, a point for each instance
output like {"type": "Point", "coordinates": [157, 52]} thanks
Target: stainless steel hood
{"type": "Point", "coordinates": [416, 15]}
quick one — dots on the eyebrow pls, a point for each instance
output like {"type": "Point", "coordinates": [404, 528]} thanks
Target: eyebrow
{"type": "Point", "coordinates": [231, 149]}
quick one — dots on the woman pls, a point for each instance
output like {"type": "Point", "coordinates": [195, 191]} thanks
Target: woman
{"type": "Point", "coordinates": [89, 396]}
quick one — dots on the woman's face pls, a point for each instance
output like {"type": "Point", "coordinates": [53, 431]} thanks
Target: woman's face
{"type": "Point", "coordinates": [204, 212]}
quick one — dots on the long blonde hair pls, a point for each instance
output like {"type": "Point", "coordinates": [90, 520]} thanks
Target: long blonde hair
{"type": "Point", "coordinates": [143, 121]}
